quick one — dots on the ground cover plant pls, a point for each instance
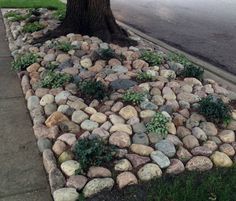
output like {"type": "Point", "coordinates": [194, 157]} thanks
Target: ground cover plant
{"type": "Point", "coordinates": [133, 97]}
{"type": "Point", "coordinates": [158, 125]}
{"type": "Point", "coordinates": [24, 61]}
{"type": "Point", "coordinates": [32, 27]}
{"type": "Point", "coordinates": [64, 46]}
{"type": "Point", "coordinates": [55, 79]}
{"type": "Point", "coordinates": [152, 58]}
{"type": "Point", "coordinates": [93, 152]}
{"type": "Point", "coordinates": [214, 109]}
{"type": "Point", "coordinates": [144, 77]}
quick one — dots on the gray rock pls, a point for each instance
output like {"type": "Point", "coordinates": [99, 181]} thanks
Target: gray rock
{"type": "Point", "coordinates": [65, 194]}
{"type": "Point", "coordinates": [146, 105]}
{"type": "Point", "coordinates": [56, 179]}
{"type": "Point", "coordinates": [166, 108]}
{"type": "Point", "coordinates": [160, 159]}
{"type": "Point", "coordinates": [44, 143]}
{"type": "Point", "coordinates": [140, 138]}
{"type": "Point", "coordinates": [199, 134]}
{"type": "Point", "coordinates": [167, 147]}
{"type": "Point", "coordinates": [50, 108]}
{"type": "Point", "coordinates": [122, 84]}
{"type": "Point", "coordinates": [120, 69]}
{"type": "Point", "coordinates": [33, 102]}
{"type": "Point", "coordinates": [139, 128]}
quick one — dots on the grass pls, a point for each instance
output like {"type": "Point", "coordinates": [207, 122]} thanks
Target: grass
{"type": "Point", "coordinates": [214, 185]}
{"type": "Point", "coordinates": [51, 4]}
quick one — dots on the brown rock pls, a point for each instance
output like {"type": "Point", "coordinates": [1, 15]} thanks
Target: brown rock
{"type": "Point", "coordinates": [59, 147]}
{"type": "Point", "coordinates": [190, 142]}
{"type": "Point", "coordinates": [77, 181]}
{"type": "Point", "coordinates": [227, 136]}
{"type": "Point", "coordinates": [227, 149]}
{"type": "Point", "coordinates": [125, 179]}
{"type": "Point", "coordinates": [98, 172]}
{"type": "Point", "coordinates": [183, 154]}
{"type": "Point", "coordinates": [120, 139]}
{"type": "Point", "coordinates": [137, 160]}
{"type": "Point", "coordinates": [176, 167]}
{"type": "Point", "coordinates": [202, 151]}
{"type": "Point", "coordinates": [55, 119]}
{"type": "Point", "coordinates": [199, 163]}
{"type": "Point", "coordinates": [141, 149]}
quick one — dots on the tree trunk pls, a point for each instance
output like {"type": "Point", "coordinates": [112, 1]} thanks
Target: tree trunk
{"type": "Point", "coordinates": [93, 18]}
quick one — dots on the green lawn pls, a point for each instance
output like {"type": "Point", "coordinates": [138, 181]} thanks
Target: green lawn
{"type": "Point", "coordinates": [53, 4]}
{"type": "Point", "coordinates": [214, 185]}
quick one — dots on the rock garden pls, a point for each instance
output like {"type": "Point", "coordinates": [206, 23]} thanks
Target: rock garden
{"type": "Point", "coordinates": [107, 116]}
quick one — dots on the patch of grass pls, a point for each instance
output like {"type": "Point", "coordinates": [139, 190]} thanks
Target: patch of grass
{"type": "Point", "coordinates": [152, 58]}
{"type": "Point", "coordinates": [214, 109]}
{"type": "Point", "coordinates": [144, 77]}
{"type": "Point", "coordinates": [24, 61]}
{"type": "Point", "coordinates": [64, 46]}
{"type": "Point", "coordinates": [93, 152]}
{"type": "Point", "coordinates": [32, 27]}
{"type": "Point", "coordinates": [60, 14]}
{"type": "Point", "coordinates": [15, 16]}
{"type": "Point", "coordinates": [53, 4]}
{"type": "Point", "coordinates": [158, 125]}
{"type": "Point", "coordinates": [192, 71]}
{"type": "Point", "coordinates": [179, 58]}
{"type": "Point", "coordinates": [214, 185]}
{"type": "Point", "coordinates": [133, 97]}
{"type": "Point", "coordinates": [92, 89]}
{"type": "Point", "coordinates": [55, 79]}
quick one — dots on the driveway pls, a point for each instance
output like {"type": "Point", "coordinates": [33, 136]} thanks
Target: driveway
{"type": "Point", "coordinates": [204, 28]}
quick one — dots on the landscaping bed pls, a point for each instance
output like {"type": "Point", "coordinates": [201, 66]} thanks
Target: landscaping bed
{"type": "Point", "coordinates": [107, 116]}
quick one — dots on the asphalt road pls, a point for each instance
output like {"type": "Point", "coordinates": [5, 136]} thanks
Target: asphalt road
{"type": "Point", "coordinates": [204, 28]}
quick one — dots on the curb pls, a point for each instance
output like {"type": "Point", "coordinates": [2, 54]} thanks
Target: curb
{"type": "Point", "coordinates": [211, 71]}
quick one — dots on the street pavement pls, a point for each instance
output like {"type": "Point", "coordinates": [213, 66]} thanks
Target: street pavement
{"type": "Point", "coordinates": [203, 28]}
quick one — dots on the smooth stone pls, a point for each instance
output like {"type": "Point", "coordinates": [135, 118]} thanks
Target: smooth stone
{"type": "Point", "coordinates": [56, 179]}
{"type": "Point", "coordinates": [199, 134]}
{"type": "Point", "coordinates": [120, 139]}
{"type": "Point", "coordinates": [101, 133]}
{"type": "Point", "coordinates": [140, 138]}
{"type": "Point", "coordinates": [199, 163]}
{"type": "Point", "coordinates": [190, 142]}
{"type": "Point", "coordinates": [166, 147]}
{"type": "Point", "coordinates": [128, 112]}
{"type": "Point", "coordinates": [116, 119]}
{"type": "Point", "coordinates": [160, 159]}
{"type": "Point", "coordinates": [220, 159]}
{"type": "Point", "coordinates": [97, 185]}
{"type": "Point", "coordinates": [49, 160]}
{"type": "Point", "coordinates": [176, 167]}
{"type": "Point", "coordinates": [139, 128]}
{"type": "Point", "coordinates": [126, 178]}
{"type": "Point", "coordinates": [33, 102]}
{"type": "Point", "coordinates": [98, 117]}
{"type": "Point", "coordinates": [89, 125]}
{"type": "Point", "coordinates": [50, 108]}
{"type": "Point", "coordinates": [98, 172]}
{"type": "Point", "coordinates": [137, 160]}
{"type": "Point", "coordinates": [123, 165]}
{"type": "Point", "coordinates": [209, 128]}
{"type": "Point", "coordinates": [59, 147]}
{"type": "Point", "coordinates": [79, 116]}
{"type": "Point", "coordinates": [141, 149]}
{"type": "Point", "coordinates": [202, 151]}
{"type": "Point", "coordinates": [227, 136]}
{"type": "Point", "coordinates": [146, 105]}
{"type": "Point", "coordinates": [69, 167]}
{"type": "Point", "coordinates": [183, 154]}
{"type": "Point", "coordinates": [65, 194]}
{"type": "Point", "coordinates": [65, 156]}
{"type": "Point", "coordinates": [46, 99]}
{"type": "Point", "coordinates": [122, 84]}
{"type": "Point", "coordinates": [43, 144]}
{"type": "Point", "coordinates": [121, 128]}
{"type": "Point", "coordinates": [227, 149]}
{"type": "Point", "coordinates": [68, 138]}
{"type": "Point", "coordinates": [55, 119]}
{"type": "Point", "coordinates": [149, 171]}
{"type": "Point", "coordinates": [76, 181]}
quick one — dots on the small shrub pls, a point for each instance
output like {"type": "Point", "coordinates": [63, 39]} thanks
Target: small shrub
{"type": "Point", "coordinates": [144, 77]}
{"type": "Point", "coordinates": [192, 71]}
{"type": "Point", "coordinates": [92, 89]}
{"type": "Point", "coordinates": [214, 109]}
{"type": "Point", "coordinates": [152, 58]}
{"type": "Point", "coordinates": [15, 16]}
{"type": "Point", "coordinates": [133, 97]}
{"type": "Point", "coordinates": [24, 61]}
{"type": "Point", "coordinates": [179, 58]}
{"type": "Point", "coordinates": [158, 125]}
{"type": "Point", "coordinates": [55, 79]}
{"type": "Point", "coordinates": [32, 27]}
{"type": "Point", "coordinates": [64, 46]}
{"type": "Point", "coordinates": [93, 152]}
{"type": "Point", "coordinates": [60, 14]}
{"type": "Point", "coordinates": [107, 54]}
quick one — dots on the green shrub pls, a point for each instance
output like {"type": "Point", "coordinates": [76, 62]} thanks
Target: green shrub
{"type": "Point", "coordinates": [64, 46]}
{"type": "Point", "coordinates": [179, 58]}
{"type": "Point", "coordinates": [133, 97]}
{"type": "Point", "coordinates": [32, 27]}
{"type": "Point", "coordinates": [93, 152]}
{"type": "Point", "coordinates": [107, 54]}
{"type": "Point", "coordinates": [60, 14]}
{"type": "Point", "coordinates": [152, 58]}
{"type": "Point", "coordinates": [24, 61]}
{"type": "Point", "coordinates": [51, 66]}
{"type": "Point", "coordinates": [192, 71]}
{"type": "Point", "coordinates": [214, 109]}
{"type": "Point", "coordinates": [15, 16]}
{"type": "Point", "coordinates": [158, 125]}
{"type": "Point", "coordinates": [92, 89]}
{"type": "Point", "coordinates": [144, 77]}
{"type": "Point", "coordinates": [55, 79]}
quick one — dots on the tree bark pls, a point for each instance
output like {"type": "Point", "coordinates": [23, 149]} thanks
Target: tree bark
{"type": "Point", "coordinates": [93, 18]}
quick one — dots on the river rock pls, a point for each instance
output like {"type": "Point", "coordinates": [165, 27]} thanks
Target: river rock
{"type": "Point", "coordinates": [125, 179]}
{"type": "Point", "coordinates": [149, 171]}
{"type": "Point", "coordinates": [199, 163]}
{"type": "Point", "coordinates": [160, 159]}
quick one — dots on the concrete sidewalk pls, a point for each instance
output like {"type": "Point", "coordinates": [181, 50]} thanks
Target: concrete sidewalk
{"type": "Point", "coordinates": [22, 176]}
